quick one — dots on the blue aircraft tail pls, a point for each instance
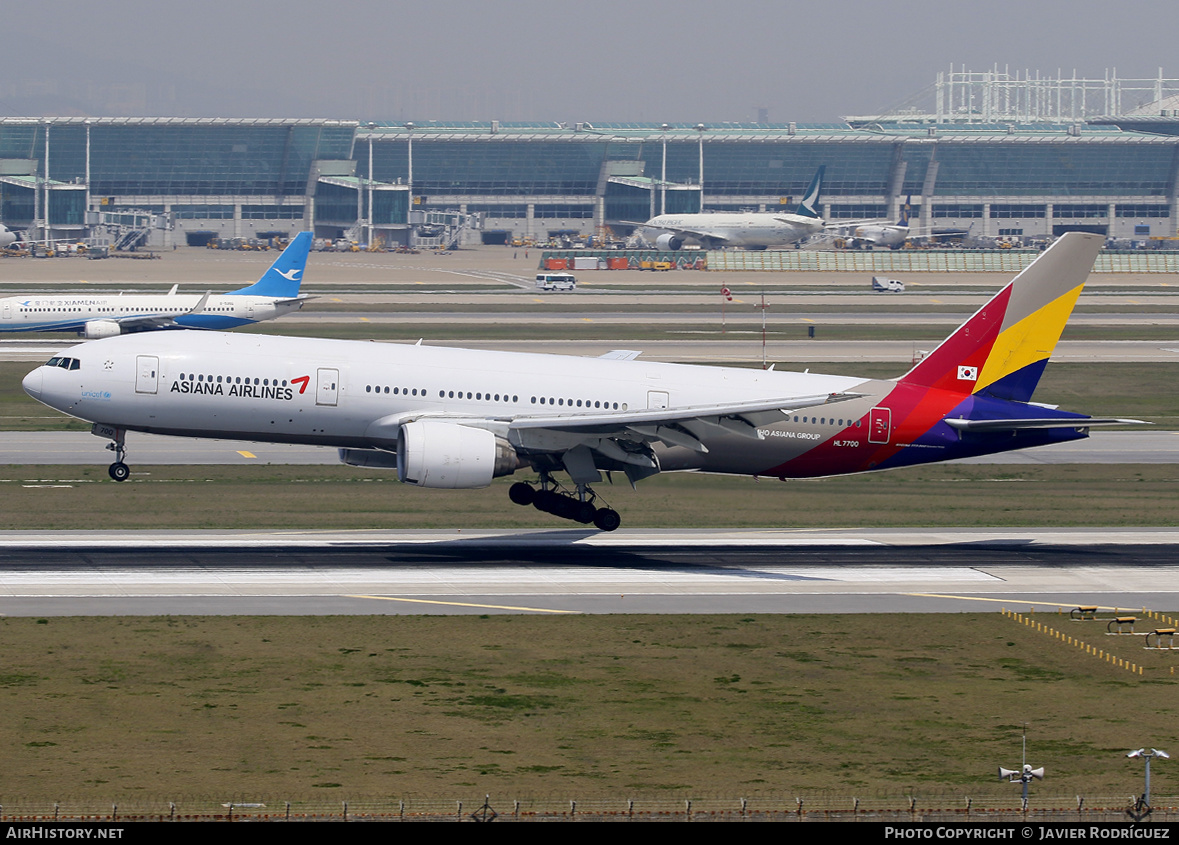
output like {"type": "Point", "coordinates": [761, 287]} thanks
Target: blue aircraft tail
{"type": "Point", "coordinates": [285, 275]}
{"type": "Point", "coordinates": [809, 207]}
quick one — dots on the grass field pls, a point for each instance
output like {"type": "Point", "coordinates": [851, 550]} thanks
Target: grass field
{"type": "Point", "coordinates": [271, 709]}
{"type": "Point", "coordinates": [347, 498]}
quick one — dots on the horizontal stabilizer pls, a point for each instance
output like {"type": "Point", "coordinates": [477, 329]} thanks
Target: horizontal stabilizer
{"type": "Point", "coordinates": [1051, 422]}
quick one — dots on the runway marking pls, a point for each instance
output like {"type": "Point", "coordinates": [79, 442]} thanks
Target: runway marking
{"type": "Point", "coordinates": [465, 604]}
{"type": "Point", "coordinates": [1009, 600]}
{"type": "Point", "coordinates": [246, 454]}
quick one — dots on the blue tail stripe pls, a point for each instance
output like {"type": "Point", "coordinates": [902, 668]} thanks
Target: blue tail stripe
{"type": "Point", "coordinates": [1018, 386]}
{"type": "Point", "coordinates": [285, 275]}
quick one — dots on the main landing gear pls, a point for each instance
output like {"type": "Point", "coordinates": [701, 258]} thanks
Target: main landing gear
{"type": "Point", "coordinates": [118, 471]}
{"type": "Point", "coordinates": [577, 508]}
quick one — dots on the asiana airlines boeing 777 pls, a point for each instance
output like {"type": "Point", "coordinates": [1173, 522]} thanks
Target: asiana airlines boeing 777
{"type": "Point", "coordinates": [457, 418]}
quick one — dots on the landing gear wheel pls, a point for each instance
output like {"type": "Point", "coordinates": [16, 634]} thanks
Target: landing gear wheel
{"type": "Point", "coordinates": [607, 519]}
{"type": "Point", "coordinates": [119, 471]}
{"type": "Point", "coordinates": [521, 493]}
{"type": "Point", "coordinates": [584, 512]}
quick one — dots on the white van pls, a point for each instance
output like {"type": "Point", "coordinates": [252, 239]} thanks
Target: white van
{"type": "Point", "coordinates": [556, 281]}
{"type": "Point", "coordinates": [884, 285]}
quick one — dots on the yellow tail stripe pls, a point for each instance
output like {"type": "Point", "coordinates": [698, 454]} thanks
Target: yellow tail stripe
{"type": "Point", "coordinates": [1029, 341]}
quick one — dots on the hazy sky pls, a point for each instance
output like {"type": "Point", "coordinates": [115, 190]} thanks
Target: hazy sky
{"type": "Point", "coordinates": [542, 60]}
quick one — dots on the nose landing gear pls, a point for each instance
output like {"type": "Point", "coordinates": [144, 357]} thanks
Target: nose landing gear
{"type": "Point", "coordinates": [118, 471]}
{"type": "Point", "coordinates": [577, 508]}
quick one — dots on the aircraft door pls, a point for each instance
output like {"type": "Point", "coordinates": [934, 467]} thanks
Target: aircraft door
{"type": "Point", "coordinates": [147, 368]}
{"type": "Point", "coordinates": [7, 311]}
{"type": "Point", "coordinates": [879, 425]}
{"type": "Point", "coordinates": [327, 389]}
{"type": "Point", "coordinates": [657, 400]}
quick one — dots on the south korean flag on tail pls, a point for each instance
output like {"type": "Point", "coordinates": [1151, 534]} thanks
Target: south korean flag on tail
{"type": "Point", "coordinates": [967, 373]}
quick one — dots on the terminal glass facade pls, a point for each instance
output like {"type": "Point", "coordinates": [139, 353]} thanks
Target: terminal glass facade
{"type": "Point", "coordinates": [525, 178]}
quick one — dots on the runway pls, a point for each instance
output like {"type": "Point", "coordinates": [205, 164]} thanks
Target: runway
{"type": "Point", "coordinates": [575, 571]}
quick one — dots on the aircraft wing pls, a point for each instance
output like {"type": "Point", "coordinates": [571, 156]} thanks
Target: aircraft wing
{"type": "Point", "coordinates": [150, 322]}
{"type": "Point", "coordinates": [697, 234]}
{"type": "Point", "coordinates": [145, 322]}
{"type": "Point", "coordinates": [673, 426]}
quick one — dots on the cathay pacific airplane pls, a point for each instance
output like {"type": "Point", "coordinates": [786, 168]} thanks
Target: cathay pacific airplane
{"type": "Point", "coordinates": [750, 229]}
{"type": "Point", "coordinates": [457, 418]}
{"type": "Point", "coordinates": [93, 316]}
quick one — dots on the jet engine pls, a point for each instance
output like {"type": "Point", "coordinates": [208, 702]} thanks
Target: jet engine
{"type": "Point", "coordinates": [435, 453]}
{"type": "Point", "coordinates": [100, 328]}
{"type": "Point", "coordinates": [669, 242]}
{"type": "Point", "coordinates": [373, 458]}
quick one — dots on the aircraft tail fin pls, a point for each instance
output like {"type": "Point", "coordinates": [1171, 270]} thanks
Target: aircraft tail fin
{"type": "Point", "coordinates": [809, 207]}
{"type": "Point", "coordinates": [906, 210]}
{"type": "Point", "coordinates": [1003, 349]}
{"type": "Point", "coordinates": [285, 275]}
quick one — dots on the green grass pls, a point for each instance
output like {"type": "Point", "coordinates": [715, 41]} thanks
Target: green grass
{"type": "Point", "coordinates": [137, 710]}
{"type": "Point", "coordinates": [347, 498]}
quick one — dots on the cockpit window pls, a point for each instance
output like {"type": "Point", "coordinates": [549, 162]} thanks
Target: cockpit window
{"type": "Point", "coordinates": [64, 363]}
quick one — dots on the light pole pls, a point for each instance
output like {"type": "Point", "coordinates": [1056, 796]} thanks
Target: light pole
{"type": "Point", "coordinates": [700, 127]}
{"type": "Point", "coordinates": [371, 127]}
{"type": "Point", "coordinates": [663, 174]}
{"type": "Point", "coordinates": [45, 202]}
{"type": "Point", "coordinates": [409, 181]}
{"type": "Point", "coordinates": [86, 215]}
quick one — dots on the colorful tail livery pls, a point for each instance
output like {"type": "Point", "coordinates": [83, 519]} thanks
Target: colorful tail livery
{"type": "Point", "coordinates": [457, 418]}
{"type": "Point", "coordinates": [972, 395]}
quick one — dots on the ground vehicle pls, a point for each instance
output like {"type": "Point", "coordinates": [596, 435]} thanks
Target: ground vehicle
{"type": "Point", "coordinates": [556, 281]}
{"type": "Point", "coordinates": [883, 285]}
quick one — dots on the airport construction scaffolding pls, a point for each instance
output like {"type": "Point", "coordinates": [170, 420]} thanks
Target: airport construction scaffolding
{"type": "Point", "coordinates": [1000, 95]}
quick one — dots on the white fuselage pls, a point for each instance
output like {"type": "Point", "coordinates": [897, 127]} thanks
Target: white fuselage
{"type": "Point", "coordinates": [740, 229]}
{"type": "Point", "coordinates": [881, 234]}
{"type": "Point", "coordinates": [72, 312]}
{"type": "Point", "coordinates": [357, 394]}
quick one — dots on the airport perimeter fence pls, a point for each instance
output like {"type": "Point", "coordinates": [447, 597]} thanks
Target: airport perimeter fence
{"type": "Point", "coordinates": [848, 261]}
{"type": "Point", "coordinates": [1005, 808]}
{"type": "Point", "coordinates": [930, 261]}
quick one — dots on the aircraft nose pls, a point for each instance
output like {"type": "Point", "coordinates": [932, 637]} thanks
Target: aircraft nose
{"type": "Point", "coordinates": [32, 383]}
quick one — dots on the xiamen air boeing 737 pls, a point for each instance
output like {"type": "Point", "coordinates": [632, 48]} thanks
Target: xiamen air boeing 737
{"type": "Point", "coordinates": [93, 316]}
{"type": "Point", "coordinates": [457, 418]}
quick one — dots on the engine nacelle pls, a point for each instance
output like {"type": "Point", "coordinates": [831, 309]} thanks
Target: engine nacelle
{"type": "Point", "coordinates": [374, 458]}
{"type": "Point", "coordinates": [434, 453]}
{"type": "Point", "coordinates": [100, 328]}
{"type": "Point", "coordinates": [669, 241]}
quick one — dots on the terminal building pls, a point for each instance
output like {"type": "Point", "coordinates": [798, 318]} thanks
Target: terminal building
{"type": "Point", "coordinates": [993, 173]}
